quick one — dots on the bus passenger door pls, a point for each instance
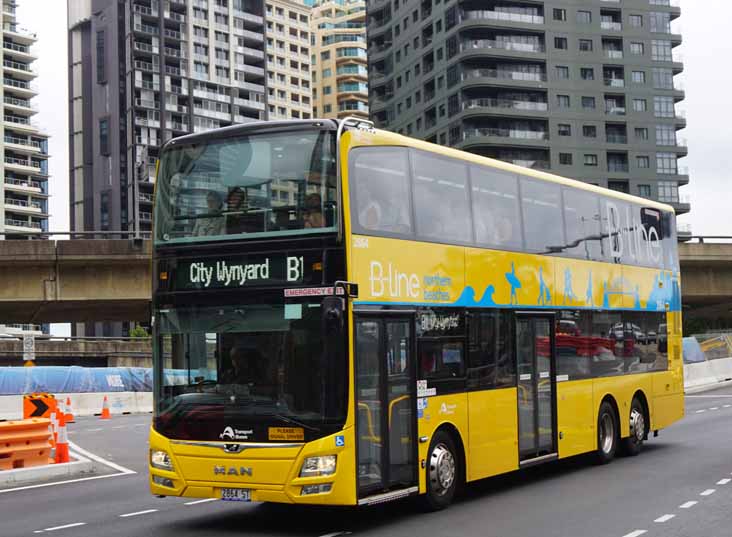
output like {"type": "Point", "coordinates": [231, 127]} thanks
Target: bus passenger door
{"type": "Point", "coordinates": [536, 387]}
{"type": "Point", "coordinates": [385, 403]}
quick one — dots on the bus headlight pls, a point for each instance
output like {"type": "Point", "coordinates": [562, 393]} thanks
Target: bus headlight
{"type": "Point", "coordinates": [160, 460]}
{"type": "Point", "coordinates": [318, 466]}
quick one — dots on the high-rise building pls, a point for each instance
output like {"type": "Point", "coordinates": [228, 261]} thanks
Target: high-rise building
{"type": "Point", "coordinates": [24, 187]}
{"type": "Point", "coordinates": [289, 92]}
{"type": "Point", "coordinates": [140, 73]}
{"type": "Point", "coordinates": [340, 75]}
{"type": "Point", "coordinates": [584, 89]}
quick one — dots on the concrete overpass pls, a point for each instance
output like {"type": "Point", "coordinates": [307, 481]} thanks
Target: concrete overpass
{"type": "Point", "coordinates": [90, 352]}
{"type": "Point", "coordinates": [45, 281]}
{"type": "Point", "coordinates": [109, 280]}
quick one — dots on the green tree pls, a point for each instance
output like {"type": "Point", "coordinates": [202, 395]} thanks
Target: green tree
{"type": "Point", "coordinates": [139, 332]}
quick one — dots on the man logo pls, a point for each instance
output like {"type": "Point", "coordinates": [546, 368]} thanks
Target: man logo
{"type": "Point", "coordinates": [241, 471]}
{"type": "Point", "coordinates": [228, 434]}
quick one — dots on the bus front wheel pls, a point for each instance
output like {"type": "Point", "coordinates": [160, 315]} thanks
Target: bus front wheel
{"type": "Point", "coordinates": [633, 444]}
{"type": "Point", "coordinates": [607, 433]}
{"type": "Point", "coordinates": [443, 472]}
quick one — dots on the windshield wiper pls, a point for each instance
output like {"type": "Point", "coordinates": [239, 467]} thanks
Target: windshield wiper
{"type": "Point", "coordinates": [293, 421]}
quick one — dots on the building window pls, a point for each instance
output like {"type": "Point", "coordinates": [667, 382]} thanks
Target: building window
{"type": "Point", "coordinates": [559, 14]}
{"type": "Point", "coordinates": [589, 131]}
{"type": "Point", "coordinates": [325, 55]}
{"type": "Point", "coordinates": [560, 43]}
{"type": "Point", "coordinates": [584, 17]}
{"type": "Point", "coordinates": [661, 50]}
{"type": "Point", "coordinates": [665, 135]}
{"type": "Point", "coordinates": [668, 191]}
{"type": "Point", "coordinates": [588, 102]}
{"type": "Point", "coordinates": [663, 106]}
{"type": "Point", "coordinates": [585, 45]}
{"type": "Point", "coordinates": [640, 105]}
{"type": "Point", "coordinates": [590, 160]}
{"type": "Point", "coordinates": [619, 186]}
{"type": "Point", "coordinates": [565, 159]}
{"type": "Point", "coordinates": [562, 72]}
{"type": "Point", "coordinates": [644, 191]}
{"type": "Point", "coordinates": [564, 129]}
{"type": "Point", "coordinates": [563, 101]}
{"type": "Point", "coordinates": [643, 162]}
{"type": "Point", "coordinates": [101, 64]}
{"type": "Point", "coordinates": [327, 90]}
{"type": "Point", "coordinates": [636, 21]}
{"type": "Point", "coordinates": [104, 136]}
{"type": "Point", "coordinates": [638, 77]}
{"type": "Point", "coordinates": [641, 133]}
{"type": "Point", "coordinates": [587, 73]}
{"type": "Point", "coordinates": [663, 78]}
{"type": "Point", "coordinates": [327, 73]}
{"type": "Point", "coordinates": [666, 163]}
{"type": "Point", "coordinates": [636, 48]}
{"type": "Point", "coordinates": [660, 22]}
{"type": "Point", "coordinates": [327, 109]}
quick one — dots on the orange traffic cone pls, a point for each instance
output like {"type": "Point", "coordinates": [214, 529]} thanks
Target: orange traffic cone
{"type": "Point", "coordinates": [62, 444]}
{"type": "Point", "coordinates": [54, 427]}
{"type": "Point", "coordinates": [105, 410]}
{"type": "Point", "coordinates": [68, 414]}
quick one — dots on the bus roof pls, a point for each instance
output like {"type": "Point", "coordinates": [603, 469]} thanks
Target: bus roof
{"type": "Point", "coordinates": [391, 138]}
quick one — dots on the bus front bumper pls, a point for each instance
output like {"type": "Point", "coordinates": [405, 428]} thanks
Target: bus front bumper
{"type": "Point", "coordinates": [268, 473]}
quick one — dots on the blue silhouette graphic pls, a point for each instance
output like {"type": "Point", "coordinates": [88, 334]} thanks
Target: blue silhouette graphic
{"type": "Point", "coordinates": [544, 295]}
{"type": "Point", "coordinates": [568, 292]}
{"type": "Point", "coordinates": [605, 296]}
{"type": "Point", "coordinates": [467, 297]}
{"type": "Point", "coordinates": [514, 282]}
{"type": "Point", "coordinates": [590, 297]}
{"type": "Point", "coordinates": [665, 291]}
{"type": "Point", "coordinates": [637, 297]}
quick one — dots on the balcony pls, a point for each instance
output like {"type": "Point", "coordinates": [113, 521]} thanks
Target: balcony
{"type": "Point", "coordinates": [23, 142]}
{"type": "Point", "coordinates": [505, 104]}
{"type": "Point", "coordinates": [502, 16]}
{"type": "Point", "coordinates": [613, 54]}
{"type": "Point", "coordinates": [617, 166]}
{"type": "Point", "coordinates": [23, 224]}
{"type": "Point", "coordinates": [611, 25]}
{"type": "Point", "coordinates": [25, 104]}
{"type": "Point", "coordinates": [502, 74]}
{"type": "Point", "coordinates": [477, 44]}
{"type": "Point", "coordinates": [615, 82]}
{"type": "Point", "coordinates": [18, 31]}
{"type": "Point", "coordinates": [144, 10]}
{"type": "Point", "coordinates": [23, 205]}
{"type": "Point", "coordinates": [616, 138]}
{"type": "Point", "coordinates": [516, 134]}
{"type": "Point", "coordinates": [25, 185]}
{"type": "Point", "coordinates": [16, 49]}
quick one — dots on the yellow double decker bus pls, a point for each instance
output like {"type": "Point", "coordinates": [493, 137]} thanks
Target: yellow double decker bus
{"type": "Point", "coordinates": [348, 316]}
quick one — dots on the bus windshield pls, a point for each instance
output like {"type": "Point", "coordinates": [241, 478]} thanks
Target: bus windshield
{"type": "Point", "coordinates": [254, 185]}
{"type": "Point", "coordinates": [250, 368]}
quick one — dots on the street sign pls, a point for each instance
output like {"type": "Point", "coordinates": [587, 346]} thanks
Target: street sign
{"type": "Point", "coordinates": [29, 348]}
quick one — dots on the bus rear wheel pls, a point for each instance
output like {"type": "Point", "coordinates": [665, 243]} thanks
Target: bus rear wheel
{"type": "Point", "coordinates": [633, 444]}
{"type": "Point", "coordinates": [443, 472]}
{"type": "Point", "coordinates": [607, 434]}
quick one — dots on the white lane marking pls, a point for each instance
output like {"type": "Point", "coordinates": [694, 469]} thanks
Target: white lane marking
{"type": "Point", "coordinates": [708, 492]}
{"type": "Point", "coordinates": [196, 502]}
{"type": "Point", "coordinates": [122, 469]}
{"type": "Point", "coordinates": [664, 518]}
{"type": "Point", "coordinates": [42, 485]}
{"type": "Point", "coordinates": [74, 525]}
{"type": "Point", "coordinates": [700, 411]}
{"type": "Point", "coordinates": [709, 396]}
{"type": "Point", "coordinates": [141, 425]}
{"type": "Point", "coordinates": [146, 511]}
{"type": "Point", "coordinates": [726, 406]}
{"type": "Point", "coordinates": [714, 408]}
{"type": "Point", "coordinates": [336, 534]}
{"type": "Point", "coordinates": [635, 533]}
{"type": "Point", "coordinates": [119, 427]}
{"type": "Point", "coordinates": [723, 481]}
{"type": "Point", "coordinates": [94, 430]}
{"type": "Point", "coordinates": [687, 505]}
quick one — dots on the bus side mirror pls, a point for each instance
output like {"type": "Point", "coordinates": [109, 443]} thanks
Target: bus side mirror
{"type": "Point", "coordinates": [333, 308]}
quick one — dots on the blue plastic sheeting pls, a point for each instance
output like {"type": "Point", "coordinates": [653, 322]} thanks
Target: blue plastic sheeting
{"type": "Point", "coordinates": [693, 352]}
{"type": "Point", "coordinates": [75, 379]}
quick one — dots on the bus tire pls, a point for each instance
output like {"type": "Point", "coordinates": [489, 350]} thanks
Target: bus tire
{"type": "Point", "coordinates": [443, 472]}
{"type": "Point", "coordinates": [607, 433]}
{"type": "Point", "coordinates": [633, 444]}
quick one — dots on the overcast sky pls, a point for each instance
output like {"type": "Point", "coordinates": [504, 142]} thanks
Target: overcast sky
{"type": "Point", "coordinates": [707, 55]}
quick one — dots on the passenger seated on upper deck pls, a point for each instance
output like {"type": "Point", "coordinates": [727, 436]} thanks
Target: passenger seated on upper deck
{"type": "Point", "coordinates": [213, 223]}
{"type": "Point", "coordinates": [313, 212]}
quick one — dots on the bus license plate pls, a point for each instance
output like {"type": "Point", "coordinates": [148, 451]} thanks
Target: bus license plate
{"type": "Point", "coordinates": [236, 495]}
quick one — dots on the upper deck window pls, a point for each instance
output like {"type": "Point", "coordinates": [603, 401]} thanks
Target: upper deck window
{"type": "Point", "coordinates": [251, 186]}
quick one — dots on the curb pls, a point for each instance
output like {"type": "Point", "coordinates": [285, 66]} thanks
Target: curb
{"type": "Point", "coordinates": [707, 387]}
{"type": "Point", "coordinates": [37, 474]}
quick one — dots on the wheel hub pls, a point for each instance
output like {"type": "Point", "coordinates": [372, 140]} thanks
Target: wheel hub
{"type": "Point", "coordinates": [442, 469]}
{"type": "Point", "coordinates": [637, 425]}
{"type": "Point", "coordinates": [607, 433]}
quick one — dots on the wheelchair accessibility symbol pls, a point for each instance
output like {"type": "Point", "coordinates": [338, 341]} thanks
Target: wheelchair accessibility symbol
{"type": "Point", "coordinates": [340, 441]}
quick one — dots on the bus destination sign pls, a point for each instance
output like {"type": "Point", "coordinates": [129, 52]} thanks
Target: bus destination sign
{"type": "Point", "coordinates": [249, 271]}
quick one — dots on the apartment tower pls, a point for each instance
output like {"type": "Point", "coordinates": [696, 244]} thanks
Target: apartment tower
{"type": "Point", "coordinates": [583, 89]}
{"type": "Point", "coordinates": [340, 74]}
{"type": "Point", "coordinates": [289, 92]}
{"type": "Point", "coordinates": [24, 188]}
